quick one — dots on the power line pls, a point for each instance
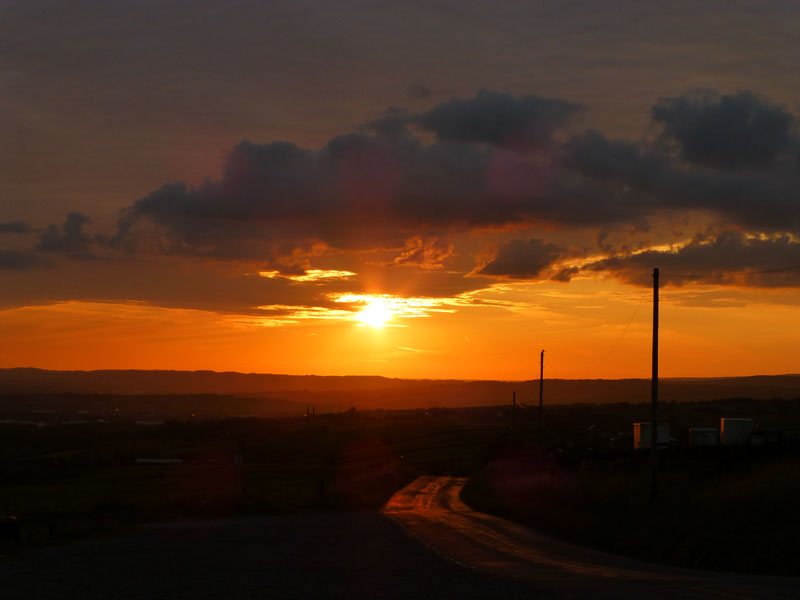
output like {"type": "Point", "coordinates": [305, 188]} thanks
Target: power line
{"type": "Point", "coordinates": [779, 270]}
{"type": "Point", "coordinates": [624, 331]}
{"type": "Point", "coordinates": [674, 276]}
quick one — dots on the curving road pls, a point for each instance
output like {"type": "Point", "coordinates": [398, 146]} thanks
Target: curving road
{"type": "Point", "coordinates": [430, 508]}
{"type": "Point", "coordinates": [335, 555]}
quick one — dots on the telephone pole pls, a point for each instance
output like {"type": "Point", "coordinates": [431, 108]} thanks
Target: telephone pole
{"type": "Point", "coordinates": [654, 394]}
{"type": "Point", "coordinates": [541, 385]}
{"type": "Point", "coordinates": [514, 410]}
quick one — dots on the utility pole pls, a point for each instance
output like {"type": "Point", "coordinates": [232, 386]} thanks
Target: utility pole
{"type": "Point", "coordinates": [541, 385]}
{"type": "Point", "coordinates": [654, 394]}
{"type": "Point", "coordinates": [514, 410]}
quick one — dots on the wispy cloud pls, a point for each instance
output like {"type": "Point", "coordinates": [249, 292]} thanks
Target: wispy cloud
{"type": "Point", "coordinates": [310, 275]}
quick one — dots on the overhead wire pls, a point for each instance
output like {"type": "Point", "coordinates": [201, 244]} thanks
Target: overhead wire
{"type": "Point", "coordinates": [677, 276]}
{"type": "Point", "coordinates": [681, 276]}
{"type": "Point", "coordinates": [624, 331]}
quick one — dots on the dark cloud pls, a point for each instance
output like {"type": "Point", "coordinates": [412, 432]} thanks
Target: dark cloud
{"type": "Point", "coordinates": [357, 192]}
{"type": "Point", "coordinates": [519, 259]}
{"type": "Point", "coordinates": [20, 261]}
{"type": "Point", "coordinates": [728, 132]}
{"type": "Point", "coordinates": [69, 238]}
{"type": "Point", "coordinates": [730, 258]}
{"type": "Point", "coordinates": [502, 119]}
{"type": "Point", "coordinates": [15, 227]}
{"type": "Point", "coordinates": [623, 182]}
{"type": "Point", "coordinates": [565, 274]}
{"type": "Point", "coordinates": [425, 254]}
{"type": "Point", "coordinates": [285, 206]}
{"type": "Point", "coordinates": [393, 122]}
{"type": "Point", "coordinates": [520, 122]}
{"type": "Point", "coordinates": [594, 155]}
{"type": "Point", "coordinates": [364, 191]}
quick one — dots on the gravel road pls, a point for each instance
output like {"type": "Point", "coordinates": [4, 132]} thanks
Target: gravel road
{"type": "Point", "coordinates": [328, 555]}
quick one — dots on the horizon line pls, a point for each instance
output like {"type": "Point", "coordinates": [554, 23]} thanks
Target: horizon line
{"type": "Point", "coordinates": [443, 379]}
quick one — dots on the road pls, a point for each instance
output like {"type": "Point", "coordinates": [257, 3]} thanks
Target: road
{"type": "Point", "coordinates": [347, 555]}
{"type": "Point", "coordinates": [431, 510]}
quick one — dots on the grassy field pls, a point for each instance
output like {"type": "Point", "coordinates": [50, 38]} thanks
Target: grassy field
{"type": "Point", "coordinates": [722, 508]}
{"type": "Point", "coordinates": [77, 480]}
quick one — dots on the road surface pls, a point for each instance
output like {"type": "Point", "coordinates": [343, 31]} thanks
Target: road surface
{"type": "Point", "coordinates": [430, 508]}
{"type": "Point", "coordinates": [347, 555]}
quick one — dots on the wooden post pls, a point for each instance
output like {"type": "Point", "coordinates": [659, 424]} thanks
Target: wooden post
{"type": "Point", "coordinates": [654, 394]}
{"type": "Point", "coordinates": [541, 384]}
{"type": "Point", "coordinates": [514, 410]}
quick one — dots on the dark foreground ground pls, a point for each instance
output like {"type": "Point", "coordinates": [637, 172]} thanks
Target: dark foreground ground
{"type": "Point", "coordinates": [327, 555]}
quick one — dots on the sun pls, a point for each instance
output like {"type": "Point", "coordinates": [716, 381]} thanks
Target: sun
{"type": "Point", "coordinates": [376, 313]}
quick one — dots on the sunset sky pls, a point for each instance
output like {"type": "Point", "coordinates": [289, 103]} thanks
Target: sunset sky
{"type": "Point", "coordinates": [412, 189]}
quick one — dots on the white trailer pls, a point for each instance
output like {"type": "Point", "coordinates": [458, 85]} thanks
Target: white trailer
{"type": "Point", "coordinates": [643, 435]}
{"type": "Point", "coordinates": [735, 432]}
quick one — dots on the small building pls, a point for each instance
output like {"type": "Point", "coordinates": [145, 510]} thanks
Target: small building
{"type": "Point", "coordinates": [703, 436]}
{"type": "Point", "coordinates": [735, 432]}
{"type": "Point", "coordinates": [643, 435]}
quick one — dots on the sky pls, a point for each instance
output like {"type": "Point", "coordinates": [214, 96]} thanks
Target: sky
{"type": "Point", "coordinates": [419, 189]}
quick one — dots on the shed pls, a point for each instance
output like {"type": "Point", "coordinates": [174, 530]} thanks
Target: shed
{"type": "Point", "coordinates": [735, 432]}
{"type": "Point", "coordinates": [703, 436]}
{"type": "Point", "coordinates": [643, 435]}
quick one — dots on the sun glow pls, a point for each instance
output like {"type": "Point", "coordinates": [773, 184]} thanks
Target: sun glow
{"type": "Point", "coordinates": [387, 310]}
{"type": "Point", "coordinates": [376, 313]}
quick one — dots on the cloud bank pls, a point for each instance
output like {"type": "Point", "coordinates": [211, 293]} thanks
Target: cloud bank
{"type": "Point", "coordinates": [730, 258]}
{"type": "Point", "coordinates": [417, 193]}
{"type": "Point", "coordinates": [726, 132]}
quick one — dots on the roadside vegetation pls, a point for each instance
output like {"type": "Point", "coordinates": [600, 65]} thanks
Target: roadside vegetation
{"type": "Point", "coordinates": [721, 508]}
{"type": "Point", "coordinates": [66, 481]}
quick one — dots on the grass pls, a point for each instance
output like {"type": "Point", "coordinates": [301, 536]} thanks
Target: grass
{"type": "Point", "coordinates": [68, 482]}
{"type": "Point", "coordinates": [723, 510]}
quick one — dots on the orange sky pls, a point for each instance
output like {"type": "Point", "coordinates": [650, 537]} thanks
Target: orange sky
{"type": "Point", "coordinates": [581, 330]}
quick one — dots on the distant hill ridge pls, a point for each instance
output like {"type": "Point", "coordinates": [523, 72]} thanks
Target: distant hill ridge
{"type": "Point", "coordinates": [134, 381]}
{"type": "Point", "coordinates": [382, 392]}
